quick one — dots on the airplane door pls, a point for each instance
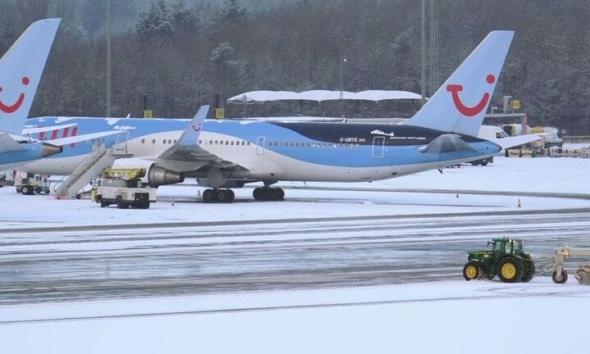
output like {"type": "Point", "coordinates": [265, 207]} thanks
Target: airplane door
{"type": "Point", "coordinates": [378, 147]}
{"type": "Point", "coordinates": [120, 145]}
{"type": "Point", "coordinates": [260, 145]}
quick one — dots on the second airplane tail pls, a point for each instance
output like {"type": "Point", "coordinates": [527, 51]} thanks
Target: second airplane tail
{"type": "Point", "coordinates": [460, 104]}
{"type": "Point", "coordinates": [20, 73]}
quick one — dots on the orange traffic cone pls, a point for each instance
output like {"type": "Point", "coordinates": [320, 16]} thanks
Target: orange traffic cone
{"type": "Point", "coordinates": [519, 203]}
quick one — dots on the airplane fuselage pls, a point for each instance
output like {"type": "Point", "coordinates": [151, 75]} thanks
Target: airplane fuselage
{"type": "Point", "coordinates": [299, 151]}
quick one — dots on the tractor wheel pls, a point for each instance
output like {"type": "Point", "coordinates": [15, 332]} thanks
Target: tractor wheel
{"type": "Point", "coordinates": [472, 270]}
{"type": "Point", "coordinates": [510, 270]}
{"type": "Point", "coordinates": [559, 278]}
{"type": "Point", "coordinates": [530, 271]}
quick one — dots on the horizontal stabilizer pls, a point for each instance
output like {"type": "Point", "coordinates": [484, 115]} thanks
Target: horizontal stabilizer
{"type": "Point", "coordinates": [446, 143]}
{"type": "Point", "coordinates": [507, 143]}
{"type": "Point", "coordinates": [9, 143]}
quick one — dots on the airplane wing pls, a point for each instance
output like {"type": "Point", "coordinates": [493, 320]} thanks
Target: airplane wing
{"type": "Point", "coordinates": [446, 143]}
{"type": "Point", "coordinates": [186, 155]}
{"type": "Point", "coordinates": [189, 137]}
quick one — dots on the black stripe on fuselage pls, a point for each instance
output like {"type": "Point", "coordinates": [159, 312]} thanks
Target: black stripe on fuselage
{"type": "Point", "coordinates": [364, 134]}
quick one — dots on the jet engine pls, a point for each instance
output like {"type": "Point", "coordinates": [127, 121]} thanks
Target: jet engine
{"type": "Point", "coordinates": [155, 175]}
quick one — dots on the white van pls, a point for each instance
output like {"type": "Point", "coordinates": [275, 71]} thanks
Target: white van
{"type": "Point", "coordinates": [491, 132]}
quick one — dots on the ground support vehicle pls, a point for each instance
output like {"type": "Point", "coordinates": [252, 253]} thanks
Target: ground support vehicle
{"type": "Point", "coordinates": [582, 274]}
{"type": "Point", "coordinates": [29, 183]}
{"type": "Point", "coordinates": [123, 187]}
{"type": "Point", "coordinates": [506, 258]}
{"type": "Point", "coordinates": [483, 162]}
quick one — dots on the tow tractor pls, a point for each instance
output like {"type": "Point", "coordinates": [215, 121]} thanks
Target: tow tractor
{"type": "Point", "coordinates": [123, 187]}
{"type": "Point", "coordinates": [506, 258]}
{"type": "Point", "coordinates": [582, 274]}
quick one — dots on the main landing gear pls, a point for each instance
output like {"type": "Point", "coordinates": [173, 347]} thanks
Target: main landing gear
{"type": "Point", "coordinates": [268, 193]}
{"type": "Point", "coordinates": [225, 195]}
{"type": "Point", "coordinates": [218, 195]}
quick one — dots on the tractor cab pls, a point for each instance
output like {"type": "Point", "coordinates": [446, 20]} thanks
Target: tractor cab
{"type": "Point", "coordinates": [504, 246]}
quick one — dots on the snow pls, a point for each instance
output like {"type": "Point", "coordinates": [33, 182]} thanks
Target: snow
{"type": "Point", "coordinates": [443, 317]}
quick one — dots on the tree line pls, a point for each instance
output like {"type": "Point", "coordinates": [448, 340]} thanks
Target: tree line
{"type": "Point", "coordinates": [172, 56]}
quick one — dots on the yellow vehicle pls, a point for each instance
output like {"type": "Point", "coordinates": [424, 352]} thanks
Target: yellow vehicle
{"type": "Point", "coordinates": [123, 187]}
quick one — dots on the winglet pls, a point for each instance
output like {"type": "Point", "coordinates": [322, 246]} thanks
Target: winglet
{"type": "Point", "coordinates": [20, 73]}
{"type": "Point", "coordinates": [460, 104]}
{"type": "Point", "coordinates": [190, 136]}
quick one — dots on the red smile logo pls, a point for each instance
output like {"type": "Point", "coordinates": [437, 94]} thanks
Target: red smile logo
{"type": "Point", "coordinates": [470, 111]}
{"type": "Point", "coordinates": [196, 128]}
{"type": "Point", "coordinates": [14, 107]}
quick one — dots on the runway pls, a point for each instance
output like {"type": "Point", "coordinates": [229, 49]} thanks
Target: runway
{"type": "Point", "coordinates": [119, 261]}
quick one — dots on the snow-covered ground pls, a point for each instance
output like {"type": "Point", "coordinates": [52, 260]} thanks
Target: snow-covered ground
{"type": "Point", "coordinates": [442, 317]}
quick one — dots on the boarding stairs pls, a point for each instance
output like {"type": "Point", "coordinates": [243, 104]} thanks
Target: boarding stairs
{"type": "Point", "coordinates": [89, 169]}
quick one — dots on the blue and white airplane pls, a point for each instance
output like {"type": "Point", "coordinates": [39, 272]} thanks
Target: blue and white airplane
{"type": "Point", "coordinates": [231, 153]}
{"type": "Point", "coordinates": [21, 68]}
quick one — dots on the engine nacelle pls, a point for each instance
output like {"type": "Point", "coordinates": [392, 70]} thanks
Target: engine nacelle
{"type": "Point", "coordinates": [155, 175]}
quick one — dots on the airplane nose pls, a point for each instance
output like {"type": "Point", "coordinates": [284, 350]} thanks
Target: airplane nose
{"type": "Point", "coordinates": [48, 149]}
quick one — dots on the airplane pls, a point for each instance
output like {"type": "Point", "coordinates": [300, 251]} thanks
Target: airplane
{"type": "Point", "coordinates": [230, 153]}
{"type": "Point", "coordinates": [21, 69]}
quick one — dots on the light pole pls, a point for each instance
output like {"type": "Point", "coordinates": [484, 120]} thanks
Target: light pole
{"type": "Point", "coordinates": [108, 58]}
{"type": "Point", "coordinates": [342, 61]}
{"type": "Point", "coordinates": [423, 57]}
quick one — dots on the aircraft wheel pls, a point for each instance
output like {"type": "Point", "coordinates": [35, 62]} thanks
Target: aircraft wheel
{"type": "Point", "coordinates": [272, 194]}
{"type": "Point", "coordinates": [260, 193]}
{"type": "Point", "coordinates": [559, 278]}
{"type": "Point", "coordinates": [222, 195]}
{"type": "Point", "coordinates": [208, 195]}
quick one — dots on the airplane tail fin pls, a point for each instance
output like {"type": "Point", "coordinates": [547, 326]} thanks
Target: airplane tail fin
{"type": "Point", "coordinates": [460, 104]}
{"type": "Point", "coordinates": [20, 73]}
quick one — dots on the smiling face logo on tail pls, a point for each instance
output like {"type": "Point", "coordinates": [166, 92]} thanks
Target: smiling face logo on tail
{"type": "Point", "coordinates": [470, 111]}
{"type": "Point", "coordinates": [11, 108]}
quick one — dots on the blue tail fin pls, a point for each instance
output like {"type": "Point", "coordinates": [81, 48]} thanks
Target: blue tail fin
{"type": "Point", "coordinates": [20, 72]}
{"type": "Point", "coordinates": [460, 104]}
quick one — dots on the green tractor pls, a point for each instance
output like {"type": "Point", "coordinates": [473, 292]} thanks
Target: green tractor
{"type": "Point", "coordinates": [506, 258]}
